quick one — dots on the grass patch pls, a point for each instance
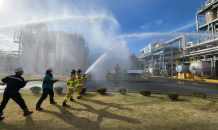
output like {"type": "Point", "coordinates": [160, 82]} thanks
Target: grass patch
{"type": "Point", "coordinates": [114, 111]}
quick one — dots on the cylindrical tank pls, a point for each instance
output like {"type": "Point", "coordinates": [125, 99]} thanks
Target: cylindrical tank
{"type": "Point", "coordinates": [200, 68]}
{"type": "Point", "coordinates": [8, 62]}
{"type": "Point", "coordinates": [28, 57]}
{"type": "Point", "coordinates": [211, 15]}
{"type": "Point", "coordinates": [52, 49]}
{"type": "Point", "coordinates": [182, 68]}
{"type": "Point", "coordinates": [70, 53]}
{"type": "Point", "coordinates": [43, 53]}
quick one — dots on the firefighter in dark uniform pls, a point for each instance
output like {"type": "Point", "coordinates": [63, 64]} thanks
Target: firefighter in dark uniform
{"type": "Point", "coordinates": [14, 83]}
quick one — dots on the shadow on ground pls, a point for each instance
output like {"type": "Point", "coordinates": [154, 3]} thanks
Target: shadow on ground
{"type": "Point", "coordinates": [89, 94]}
{"type": "Point", "coordinates": [74, 120]}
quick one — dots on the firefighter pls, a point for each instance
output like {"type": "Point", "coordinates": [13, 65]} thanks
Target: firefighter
{"type": "Point", "coordinates": [14, 83]}
{"type": "Point", "coordinates": [47, 88]}
{"type": "Point", "coordinates": [70, 85]}
{"type": "Point", "coordinates": [79, 83]}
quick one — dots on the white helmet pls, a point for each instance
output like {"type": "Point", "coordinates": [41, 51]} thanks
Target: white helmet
{"type": "Point", "coordinates": [49, 69]}
{"type": "Point", "coordinates": [18, 69]}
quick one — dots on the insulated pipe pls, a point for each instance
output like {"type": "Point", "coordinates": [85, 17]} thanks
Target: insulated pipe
{"type": "Point", "coordinates": [203, 52]}
{"type": "Point", "coordinates": [202, 44]}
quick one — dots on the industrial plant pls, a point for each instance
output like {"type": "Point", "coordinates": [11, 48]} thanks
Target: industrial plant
{"type": "Point", "coordinates": [40, 48]}
{"type": "Point", "coordinates": [182, 57]}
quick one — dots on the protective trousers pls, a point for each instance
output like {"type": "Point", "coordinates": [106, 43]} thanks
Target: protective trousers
{"type": "Point", "coordinates": [15, 96]}
{"type": "Point", "coordinates": [79, 90]}
{"type": "Point", "coordinates": [69, 95]}
{"type": "Point", "coordinates": [46, 92]}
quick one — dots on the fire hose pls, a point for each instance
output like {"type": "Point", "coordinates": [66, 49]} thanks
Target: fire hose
{"type": "Point", "coordinates": [32, 80]}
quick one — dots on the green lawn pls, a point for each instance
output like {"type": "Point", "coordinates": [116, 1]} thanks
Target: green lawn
{"type": "Point", "coordinates": [114, 112]}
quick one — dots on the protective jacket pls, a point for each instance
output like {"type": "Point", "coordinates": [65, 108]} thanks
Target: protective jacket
{"type": "Point", "coordinates": [48, 82]}
{"type": "Point", "coordinates": [79, 80]}
{"type": "Point", "coordinates": [71, 81]}
{"type": "Point", "coordinates": [14, 82]}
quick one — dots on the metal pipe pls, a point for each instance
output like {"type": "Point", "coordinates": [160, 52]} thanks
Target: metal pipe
{"type": "Point", "coordinates": [205, 49]}
{"type": "Point", "coordinates": [203, 52]}
{"type": "Point", "coordinates": [163, 62]}
{"type": "Point", "coordinates": [214, 65]}
{"type": "Point", "coordinates": [197, 27]}
{"type": "Point", "coordinates": [203, 44]}
{"type": "Point", "coordinates": [152, 64]}
{"type": "Point", "coordinates": [171, 60]}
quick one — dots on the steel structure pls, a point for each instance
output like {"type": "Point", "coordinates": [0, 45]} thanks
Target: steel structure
{"type": "Point", "coordinates": [159, 60]}
{"type": "Point", "coordinates": [162, 60]}
{"type": "Point", "coordinates": [40, 48]}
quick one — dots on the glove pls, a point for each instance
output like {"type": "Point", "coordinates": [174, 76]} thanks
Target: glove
{"type": "Point", "coordinates": [84, 75]}
{"type": "Point", "coordinates": [56, 80]}
{"type": "Point", "coordinates": [2, 84]}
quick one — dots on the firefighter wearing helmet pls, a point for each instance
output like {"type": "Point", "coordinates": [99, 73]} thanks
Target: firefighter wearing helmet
{"type": "Point", "coordinates": [79, 84]}
{"type": "Point", "coordinates": [70, 85]}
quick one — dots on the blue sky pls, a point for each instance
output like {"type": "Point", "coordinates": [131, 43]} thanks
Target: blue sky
{"type": "Point", "coordinates": [153, 15]}
{"type": "Point", "coordinates": [132, 16]}
{"type": "Point", "coordinates": [141, 16]}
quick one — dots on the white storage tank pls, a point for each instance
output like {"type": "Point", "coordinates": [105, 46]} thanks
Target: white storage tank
{"type": "Point", "coordinates": [70, 53]}
{"type": "Point", "coordinates": [200, 68]}
{"type": "Point", "coordinates": [52, 49]}
{"type": "Point", "coordinates": [43, 53]}
{"type": "Point", "coordinates": [8, 62]}
{"type": "Point", "coordinates": [29, 51]}
{"type": "Point", "coordinates": [182, 68]}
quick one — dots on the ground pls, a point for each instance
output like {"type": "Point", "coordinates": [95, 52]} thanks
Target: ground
{"type": "Point", "coordinates": [114, 111]}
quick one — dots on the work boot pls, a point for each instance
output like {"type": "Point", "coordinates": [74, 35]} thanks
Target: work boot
{"type": "Point", "coordinates": [53, 102]}
{"type": "Point", "coordinates": [27, 112]}
{"type": "Point", "coordinates": [39, 108]}
{"type": "Point", "coordinates": [65, 104]}
{"type": "Point", "coordinates": [71, 99]}
{"type": "Point", "coordinates": [1, 117]}
{"type": "Point", "coordinates": [80, 97]}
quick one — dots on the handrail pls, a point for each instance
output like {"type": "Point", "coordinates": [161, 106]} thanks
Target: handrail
{"type": "Point", "coordinates": [207, 3]}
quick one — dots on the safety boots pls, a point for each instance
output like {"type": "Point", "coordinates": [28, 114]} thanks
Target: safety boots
{"type": "Point", "coordinates": [39, 108]}
{"type": "Point", "coordinates": [79, 97]}
{"type": "Point", "coordinates": [27, 112]}
{"type": "Point", "coordinates": [65, 104]}
{"type": "Point", "coordinates": [53, 102]}
{"type": "Point", "coordinates": [71, 99]}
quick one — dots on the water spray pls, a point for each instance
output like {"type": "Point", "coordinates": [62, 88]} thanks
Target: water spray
{"type": "Point", "coordinates": [61, 19]}
{"type": "Point", "coordinates": [99, 59]}
{"type": "Point", "coordinates": [160, 34]}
